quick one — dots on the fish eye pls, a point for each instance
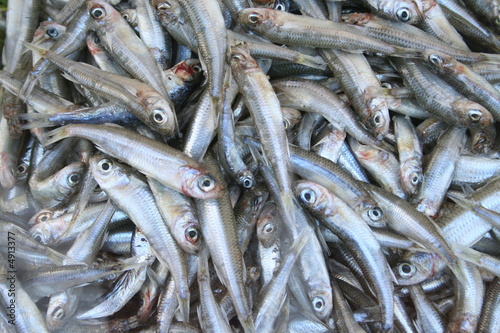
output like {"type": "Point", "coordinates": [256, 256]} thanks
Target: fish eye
{"type": "Point", "coordinates": [43, 217]}
{"type": "Point", "coordinates": [406, 270]}
{"type": "Point", "coordinates": [97, 13]}
{"type": "Point", "coordinates": [237, 57]}
{"type": "Point", "coordinates": [247, 182]}
{"type": "Point", "coordinates": [435, 59]}
{"type": "Point", "coordinates": [163, 6]}
{"type": "Point", "coordinates": [414, 177]}
{"type": "Point", "coordinates": [375, 214]}
{"type": "Point", "coordinates": [386, 85]}
{"type": "Point", "coordinates": [105, 165]}
{"type": "Point", "coordinates": [159, 116]}
{"type": "Point", "coordinates": [280, 6]}
{"type": "Point", "coordinates": [308, 196]}
{"type": "Point", "coordinates": [253, 18]}
{"type": "Point", "coordinates": [52, 32]}
{"type": "Point", "coordinates": [475, 115]}
{"type": "Point", "coordinates": [73, 179]}
{"type": "Point", "coordinates": [22, 168]}
{"type": "Point", "coordinates": [192, 234]}
{"type": "Point", "coordinates": [378, 119]}
{"type": "Point", "coordinates": [38, 238]}
{"type": "Point", "coordinates": [125, 16]}
{"type": "Point", "coordinates": [269, 228]}
{"type": "Point", "coordinates": [318, 304]}
{"type": "Point", "coordinates": [59, 313]}
{"type": "Point", "coordinates": [403, 14]}
{"type": "Point", "coordinates": [97, 40]}
{"type": "Point", "coordinates": [206, 183]}
{"type": "Point", "coordinates": [196, 68]}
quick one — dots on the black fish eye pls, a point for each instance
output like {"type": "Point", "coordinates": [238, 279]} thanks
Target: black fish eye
{"type": "Point", "coordinates": [269, 228]}
{"type": "Point", "coordinates": [22, 168]}
{"type": "Point", "coordinates": [163, 6]}
{"type": "Point", "coordinates": [97, 13]}
{"type": "Point", "coordinates": [247, 182]}
{"type": "Point", "coordinates": [253, 18]}
{"type": "Point", "coordinates": [192, 234]}
{"type": "Point", "coordinates": [403, 14]}
{"type": "Point", "coordinates": [206, 183]}
{"type": "Point", "coordinates": [406, 270]}
{"type": "Point", "coordinates": [74, 179]}
{"type": "Point", "coordinates": [59, 313]}
{"type": "Point", "coordinates": [475, 115]}
{"type": "Point", "coordinates": [52, 32]}
{"type": "Point", "coordinates": [280, 6]}
{"type": "Point", "coordinates": [105, 165]}
{"type": "Point", "coordinates": [43, 217]}
{"type": "Point", "coordinates": [159, 116]}
{"type": "Point", "coordinates": [375, 214]}
{"type": "Point", "coordinates": [308, 196]}
{"type": "Point", "coordinates": [318, 303]}
{"type": "Point", "coordinates": [378, 119]}
{"type": "Point", "coordinates": [435, 59]}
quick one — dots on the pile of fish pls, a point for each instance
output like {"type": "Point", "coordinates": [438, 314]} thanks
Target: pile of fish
{"type": "Point", "coordinates": [250, 166]}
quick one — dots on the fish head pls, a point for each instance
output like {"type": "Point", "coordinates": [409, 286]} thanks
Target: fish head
{"type": "Point", "coordinates": [416, 267]}
{"type": "Point", "coordinates": [61, 308]}
{"type": "Point", "coordinates": [102, 13]}
{"type": "Point", "coordinates": [405, 11]}
{"type": "Point", "coordinates": [70, 177]}
{"type": "Point", "coordinates": [107, 172]}
{"type": "Point", "coordinates": [411, 175]}
{"type": "Point", "coordinates": [268, 225]}
{"type": "Point", "coordinates": [198, 183]}
{"type": "Point", "coordinates": [186, 229]}
{"type": "Point", "coordinates": [130, 15]}
{"type": "Point", "coordinates": [161, 114]}
{"type": "Point", "coordinates": [187, 70]}
{"type": "Point", "coordinates": [42, 233]}
{"type": "Point", "coordinates": [315, 197]}
{"type": "Point", "coordinates": [94, 43]}
{"type": "Point", "coordinates": [48, 30]}
{"type": "Point", "coordinates": [241, 60]}
{"type": "Point", "coordinates": [320, 298]}
{"type": "Point", "coordinates": [472, 114]}
{"type": "Point", "coordinates": [259, 19]}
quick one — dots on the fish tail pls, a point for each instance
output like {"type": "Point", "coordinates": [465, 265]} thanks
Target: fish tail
{"type": "Point", "coordinates": [311, 61]}
{"type": "Point", "coordinates": [183, 306]}
{"type": "Point", "coordinates": [491, 58]}
{"type": "Point", "coordinates": [56, 257]}
{"type": "Point", "coordinates": [299, 243]}
{"type": "Point", "coordinates": [248, 325]}
{"type": "Point", "coordinates": [56, 135]}
{"type": "Point", "coordinates": [36, 120]}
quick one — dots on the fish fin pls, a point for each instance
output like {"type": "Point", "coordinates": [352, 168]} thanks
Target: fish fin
{"type": "Point", "coordinates": [36, 120]}
{"type": "Point", "coordinates": [405, 52]}
{"type": "Point", "coordinates": [391, 273]}
{"type": "Point", "coordinates": [311, 61]}
{"type": "Point", "coordinates": [322, 241]}
{"type": "Point", "coordinates": [153, 276]}
{"type": "Point", "coordinates": [56, 257]}
{"type": "Point", "coordinates": [417, 325]}
{"type": "Point", "coordinates": [69, 78]}
{"type": "Point", "coordinates": [491, 216]}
